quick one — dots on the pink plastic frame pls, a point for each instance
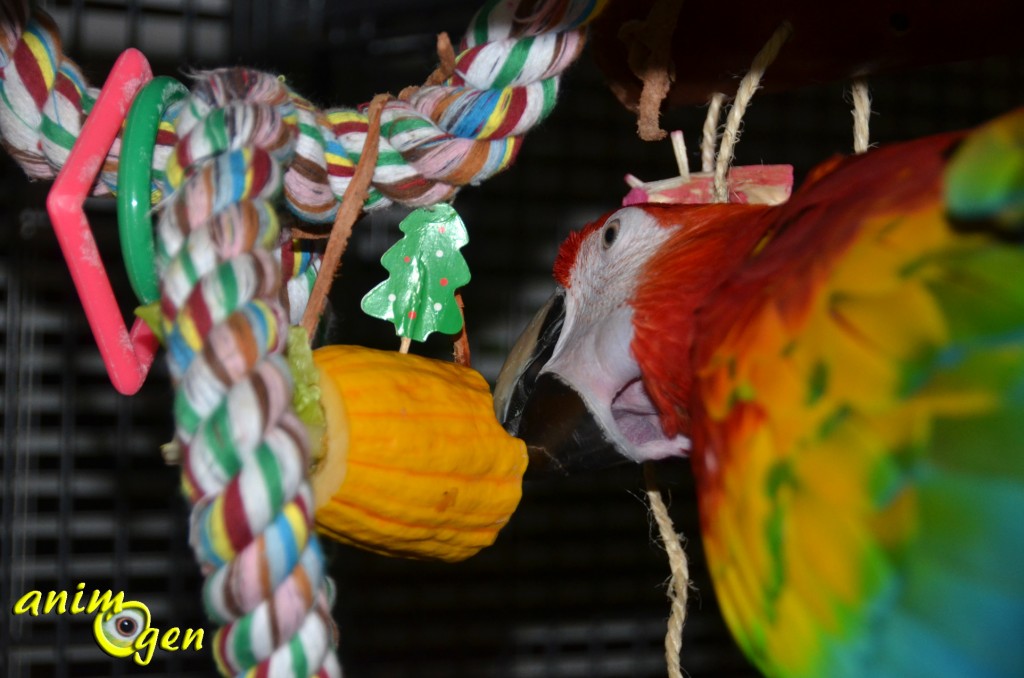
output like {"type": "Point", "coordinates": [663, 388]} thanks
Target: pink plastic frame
{"type": "Point", "coordinates": [127, 355]}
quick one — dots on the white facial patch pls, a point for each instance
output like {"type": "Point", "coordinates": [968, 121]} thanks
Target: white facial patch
{"type": "Point", "coordinates": [593, 354]}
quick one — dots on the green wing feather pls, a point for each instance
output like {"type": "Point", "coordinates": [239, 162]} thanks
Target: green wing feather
{"type": "Point", "coordinates": [984, 183]}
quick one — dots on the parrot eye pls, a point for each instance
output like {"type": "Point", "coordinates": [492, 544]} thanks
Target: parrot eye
{"type": "Point", "coordinates": [611, 232]}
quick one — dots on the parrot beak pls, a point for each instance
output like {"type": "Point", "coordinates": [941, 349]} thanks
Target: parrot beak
{"type": "Point", "coordinates": [561, 435]}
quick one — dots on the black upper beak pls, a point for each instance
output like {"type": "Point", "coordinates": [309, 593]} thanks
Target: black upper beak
{"type": "Point", "coordinates": [562, 437]}
{"type": "Point", "coordinates": [561, 434]}
{"type": "Point", "coordinates": [532, 350]}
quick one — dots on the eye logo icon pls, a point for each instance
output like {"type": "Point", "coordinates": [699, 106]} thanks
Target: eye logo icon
{"type": "Point", "coordinates": [116, 632]}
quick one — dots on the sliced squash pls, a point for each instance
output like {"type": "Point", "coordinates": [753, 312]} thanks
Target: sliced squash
{"type": "Point", "coordinates": [412, 462]}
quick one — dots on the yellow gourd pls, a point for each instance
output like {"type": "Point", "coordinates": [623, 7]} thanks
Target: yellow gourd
{"type": "Point", "coordinates": [413, 462]}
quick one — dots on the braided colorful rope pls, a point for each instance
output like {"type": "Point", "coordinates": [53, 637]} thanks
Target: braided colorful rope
{"type": "Point", "coordinates": [224, 155]}
{"type": "Point", "coordinates": [444, 137]}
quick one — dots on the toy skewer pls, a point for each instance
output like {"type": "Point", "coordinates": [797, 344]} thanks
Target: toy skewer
{"type": "Point", "coordinates": [679, 149]}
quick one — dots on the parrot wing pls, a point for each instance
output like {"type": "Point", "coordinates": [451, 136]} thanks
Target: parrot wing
{"type": "Point", "coordinates": [859, 419]}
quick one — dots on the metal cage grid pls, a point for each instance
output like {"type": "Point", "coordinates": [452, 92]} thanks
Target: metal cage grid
{"type": "Point", "coordinates": [575, 584]}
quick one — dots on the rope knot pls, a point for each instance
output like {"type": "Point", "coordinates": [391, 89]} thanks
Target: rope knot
{"type": "Point", "coordinates": [43, 97]}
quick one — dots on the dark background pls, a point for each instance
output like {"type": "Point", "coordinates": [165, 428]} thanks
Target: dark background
{"type": "Point", "coordinates": [575, 585]}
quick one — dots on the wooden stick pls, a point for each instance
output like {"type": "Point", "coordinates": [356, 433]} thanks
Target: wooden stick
{"type": "Point", "coordinates": [679, 150]}
{"type": "Point", "coordinates": [351, 207]}
{"type": "Point", "coordinates": [462, 340]}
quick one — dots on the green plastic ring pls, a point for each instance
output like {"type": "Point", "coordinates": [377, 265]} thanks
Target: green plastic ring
{"type": "Point", "coordinates": [134, 183]}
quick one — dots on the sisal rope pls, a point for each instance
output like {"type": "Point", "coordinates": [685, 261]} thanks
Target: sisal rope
{"type": "Point", "coordinates": [709, 137]}
{"type": "Point", "coordinates": [679, 582]}
{"type": "Point", "coordinates": [861, 96]}
{"type": "Point", "coordinates": [748, 86]}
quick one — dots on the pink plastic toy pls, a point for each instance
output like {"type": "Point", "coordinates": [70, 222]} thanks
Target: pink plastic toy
{"type": "Point", "coordinates": [760, 184]}
{"type": "Point", "coordinates": [128, 356]}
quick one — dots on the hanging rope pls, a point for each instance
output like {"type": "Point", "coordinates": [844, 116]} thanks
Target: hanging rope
{"type": "Point", "coordinates": [744, 93]}
{"type": "Point", "coordinates": [709, 136]}
{"type": "Point", "coordinates": [245, 453]}
{"type": "Point", "coordinates": [679, 583]}
{"type": "Point", "coordinates": [861, 96]}
{"type": "Point", "coordinates": [223, 155]}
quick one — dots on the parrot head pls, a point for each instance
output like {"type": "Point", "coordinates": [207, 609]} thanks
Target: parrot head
{"type": "Point", "coordinates": [603, 372]}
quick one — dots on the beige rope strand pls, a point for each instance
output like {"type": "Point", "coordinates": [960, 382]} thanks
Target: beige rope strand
{"type": "Point", "coordinates": [710, 134]}
{"type": "Point", "coordinates": [861, 96]}
{"type": "Point", "coordinates": [679, 583]}
{"type": "Point", "coordinates": [748, 85]}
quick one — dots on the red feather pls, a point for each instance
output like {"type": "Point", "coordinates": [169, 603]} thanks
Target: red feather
{"type": "Point", "coordinates": [709, 244]}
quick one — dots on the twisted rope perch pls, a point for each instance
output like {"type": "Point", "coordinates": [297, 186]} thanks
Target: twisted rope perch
{"type": "Point", "coordinates": [443, 137]}
{"type": "Point", "coordinates": [246, 454]}
{"type": "Point", "coordinates": [224, 155]}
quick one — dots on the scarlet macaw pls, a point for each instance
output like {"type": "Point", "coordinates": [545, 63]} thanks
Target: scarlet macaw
{"type": "Point", "coordinates": [846, 373]}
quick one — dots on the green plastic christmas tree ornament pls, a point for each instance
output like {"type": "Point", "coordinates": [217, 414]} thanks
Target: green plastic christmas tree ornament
{"type": "Point", "coordinates": [426, 269]}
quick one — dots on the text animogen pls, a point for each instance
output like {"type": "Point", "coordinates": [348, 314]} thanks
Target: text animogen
{"type": "Point", "coordinates": [122, 628]}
